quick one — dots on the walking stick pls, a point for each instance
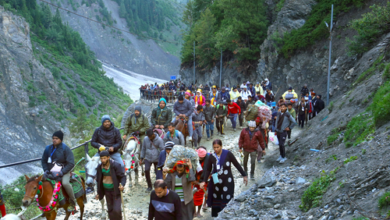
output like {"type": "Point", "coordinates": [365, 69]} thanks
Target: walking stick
{"type": "Point", "coordinates": [123, 205]}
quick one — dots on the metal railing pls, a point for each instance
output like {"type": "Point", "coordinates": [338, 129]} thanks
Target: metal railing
{"type": "Point", "coordinates": [85, 144]}
{"type": "Point", "coordinates": [171, 97]}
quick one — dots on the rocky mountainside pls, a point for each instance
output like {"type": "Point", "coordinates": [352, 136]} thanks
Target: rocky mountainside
{"type": "Point", "coordinates": [44, 89]}
{"type": "Point", "coordinates": [158, 58]}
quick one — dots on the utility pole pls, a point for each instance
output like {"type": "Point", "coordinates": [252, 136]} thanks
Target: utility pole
{"type": "Point", "coordinates": [220, 72]}
{"type": "Point", "coordinates": [330, 55]}
{"type": "Point", "coordinates": [194, 62]}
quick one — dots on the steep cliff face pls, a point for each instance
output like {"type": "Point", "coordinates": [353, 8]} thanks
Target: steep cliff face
{"type": "Point", "coordinates": [24, 130]}
{"type": "Point", "coordinates": [120, 48]}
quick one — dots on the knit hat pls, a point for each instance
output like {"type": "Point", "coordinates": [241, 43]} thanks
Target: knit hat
{"type": "Point", "coordinates": [106, 117]}
{"type": "Point", "coordinates": [169, 145]}
{"type": "Point", "coordinates": [266, 79]}
{"type": "Point", "coordinates": [251, 124]}
{"type": "Point", "coordinates": [138, 108]}
{"type": "Point", "coordinates": [59, 134]}
{"type": "Point", "coordinates": [243, 87]}
{"type": "Point", "coordinates": [104, 153]}
{"type": "Point", "coordinates": [290, 88]}
{"type": "Point", "coordinates": [223, 88]}
{"type": "Point", "coordinates": [201, 152]}
{"type": "Point", "coordinates": [162, 99]}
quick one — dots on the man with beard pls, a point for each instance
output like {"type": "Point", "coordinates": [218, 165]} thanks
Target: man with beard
{"type": "Point", "coordinates": [109, 175]}
{"type": "Point", "coordinates": [137, 123]}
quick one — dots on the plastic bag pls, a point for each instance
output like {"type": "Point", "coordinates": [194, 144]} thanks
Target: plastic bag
{"type": "Point", "coordinates": [179, 152]}
{"type": "Point", "coordinates": [273, 138]}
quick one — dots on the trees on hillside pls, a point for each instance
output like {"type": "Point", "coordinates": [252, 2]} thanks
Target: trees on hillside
{"type": "Point", "coordinates": [237, 26]}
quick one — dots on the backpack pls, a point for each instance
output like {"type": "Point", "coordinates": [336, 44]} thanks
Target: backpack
{"type": "Point", "coordinates": [252, 113]}
{"type": "Point", "coordinates": [223, 107]}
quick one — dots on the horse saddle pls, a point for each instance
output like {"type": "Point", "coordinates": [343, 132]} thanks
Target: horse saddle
{"type": "Point", "coordinates": [75, 182]}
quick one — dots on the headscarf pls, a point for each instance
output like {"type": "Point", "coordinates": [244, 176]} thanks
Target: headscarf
{"type": "Point", "coordinates": [174, 169]}
{"type": "Point", "coordinates": [201, 152]}
{"type": "Point", "coordinates": [162, 99]}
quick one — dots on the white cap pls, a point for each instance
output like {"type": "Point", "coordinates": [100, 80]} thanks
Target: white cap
{"type": "Point", "coordinates": [251, 124]}
{"type": "Point", "coordinates": [266, 79]}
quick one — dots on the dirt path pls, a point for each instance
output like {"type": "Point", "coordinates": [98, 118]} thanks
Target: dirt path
{"type": "Point", "coordinates": [136, 198]}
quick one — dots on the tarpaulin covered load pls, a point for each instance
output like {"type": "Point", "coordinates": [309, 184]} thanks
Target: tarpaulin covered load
{"type": "Point", "coordinates": [179, 152]}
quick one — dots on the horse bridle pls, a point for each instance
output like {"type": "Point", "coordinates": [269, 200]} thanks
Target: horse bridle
{"type": "Point", "coordinates": [89, 175]}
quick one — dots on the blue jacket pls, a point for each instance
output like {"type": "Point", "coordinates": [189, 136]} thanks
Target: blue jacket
{"type": "Point", "coordinates": [160, 164]}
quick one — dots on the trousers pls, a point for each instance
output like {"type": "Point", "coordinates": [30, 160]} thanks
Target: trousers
{"type": "Point", "coordinates": [68, 188]}
{"type": "Point", "coordinates": [253, 156]}
{"type": "Point", "coordinates": [219, 124]}
{"type": "Point", "coordinates": [282, 139]}
{"type": "Point", "coordinates": [147, 171]}
{"type": "Point", "coordinates": [301, 120]}
{"type": "Point", "coordinates": [233, 119]}
{"type": "Point", "coordinates": [113, 205]}
{"type": "Point", "coordinates": [197, 135]}
{"type": "Point", "coordinates": [209, 126]}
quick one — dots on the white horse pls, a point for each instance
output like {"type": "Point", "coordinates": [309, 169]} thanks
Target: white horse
{"type": "Point", "coordinates": [90, 172]}
{"type": "Point", "coordinates": [131, 158]}
{"type": "Point", "coordinates": [16, 217]}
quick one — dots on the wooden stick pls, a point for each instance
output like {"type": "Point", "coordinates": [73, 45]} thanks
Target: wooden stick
{"type": "Point", "coordinates": [123, 205]}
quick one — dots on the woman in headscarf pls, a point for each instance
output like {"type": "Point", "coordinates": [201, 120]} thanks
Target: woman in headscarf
{"type": "Point", "coordinates": [221, 185]}
{"type": "Point", "coordinates": [199, 98]}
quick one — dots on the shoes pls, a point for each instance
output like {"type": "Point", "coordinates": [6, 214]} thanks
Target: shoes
{"type": "Point", "coordinates": [71, 207]}
{"type": "Point", "coordinates": [190, 138]}
{"type": "Point", "coordinates": [234, 129]}
{"type": "Point", "coordinates": [280, 158]}
{"type": "Point", "coordinates": [283, 160]}
{"type": "Point", "coordinates": [89, 190]}
{"type": "Point", "coordinates": [252, 176]}
{"type": "Point", "coordinates": [208, 139]}
{"type": "Point", "coordinates": [222, 134]}
{"type": "Point", "coordinates": [149, 189]}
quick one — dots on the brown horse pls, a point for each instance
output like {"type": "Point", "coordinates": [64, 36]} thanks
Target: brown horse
{"type": "Point", "coordinates": [180, 126]}
{"type": "Point", "coordinates": [45, 195]}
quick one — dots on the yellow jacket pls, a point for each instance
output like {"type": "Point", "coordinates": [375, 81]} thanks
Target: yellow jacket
{"type": "Point", "coordinates": [292, 92]}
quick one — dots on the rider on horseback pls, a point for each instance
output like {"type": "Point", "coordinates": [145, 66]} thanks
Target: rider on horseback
{"type": "Point", "coordinates": [110, 137]}
{"type": "Point", "coordinates": [60, 154]}
{"type": "Point", "coordinates": [174, 135]}
{"type": "Point", "coordinates": [184, 109]}
{"type": "Point", "coordinates": [137, 124]}
{"type": "Point", "coordinates": [162, 115]}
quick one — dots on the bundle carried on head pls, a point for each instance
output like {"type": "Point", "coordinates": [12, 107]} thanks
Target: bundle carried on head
{"type": "Point", "coordinates": [179, 153]}
{"type": "Point", "coordinates": [265, 114]}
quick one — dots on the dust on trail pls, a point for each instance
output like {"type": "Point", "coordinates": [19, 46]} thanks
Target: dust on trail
{"type": "Point", "coordinates": [136, 198]}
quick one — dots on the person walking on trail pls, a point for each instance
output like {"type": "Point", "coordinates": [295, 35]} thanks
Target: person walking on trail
{"type": "Point", "coordinates": [209, 114]}
{"type": "Point", "coordinates": [214, 95]}
{"type": "Point", "coordinates": [259, 88]}
{"type": "Point", "coordinates": [234, 94]}
{"type": "Point", "coordinates": [174, 135]}
{"type": "Point", "coordinates": [198, 120]}
{"type": "Point", "coordinates": [250, 101]}
{"type": "Point", "coordinates": [183, 109]}
{"type": "Point", "coordinates": [245, 93]}
{"type": "Point", "coordinates": [161, 116]}
{"type": "Point", "coordinates": [220, 114]}
{"type": "Point", "coordinates": [304, 90]}
{"type": "Point", "coordinates": [180, 180]}
{"type": "Point", "coordinates": [203, 161]}
{"type": "Point", "coordinates": [259, 97]}
{"type": "Point", "coordinates": [199, 194]}
{"type": "Point", "coordinates": [162, 160]}
{"type": "Point", "coordinates": [2, 206]}
{"type": "Point", "coordinates": [243, 109]}
{"type": "Point", "coordinates": [164, 203]}
{"type": "Point", "coordinates": [223, 95]}
{"type": "Point", "coordinates": [284, 123]}
{"type": "Point", "coordinates": [109, 175]}
{"type": "Point", "coordinates": [109, 136]}
{"type": "Point", "coordinates": [233, 112]}
{"type": "Point", "coordinates": [267, 84]}
{"type": "Point", "coordinates": [264, 132]}
{"type": "Point", "coordinates": [269, 97]}
{"type": "Point", "coordinates": [199, 98]}
{"type": "Point", "coordinates": [318, 105]}
{"type": "Point", "coordinates": [59, 153]}
{"type": "Point", "coordinates": [293, 113]}
{"type": "Point", "coordinates": [290, 94]}
{"type": "Point", "coordinates": [280, 102]}
{"type": "Point", "coordinates": [303, 109]}
{"type": "Point", "coordinates": [150, 151]}
{"type": "Point", "coordinates": [252, 90]}
{"type": "Point", "coordinates": [221, 185]}
{"type": "Point", "coordinates": [137, 123]}
{"type": "Point", "coordinates": [250, 140]}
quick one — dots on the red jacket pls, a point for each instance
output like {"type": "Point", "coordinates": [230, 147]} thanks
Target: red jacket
{"type": "Point", "coordinates": [234, 108]}
{"type": "Point", "coordinates": [251, 145]}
